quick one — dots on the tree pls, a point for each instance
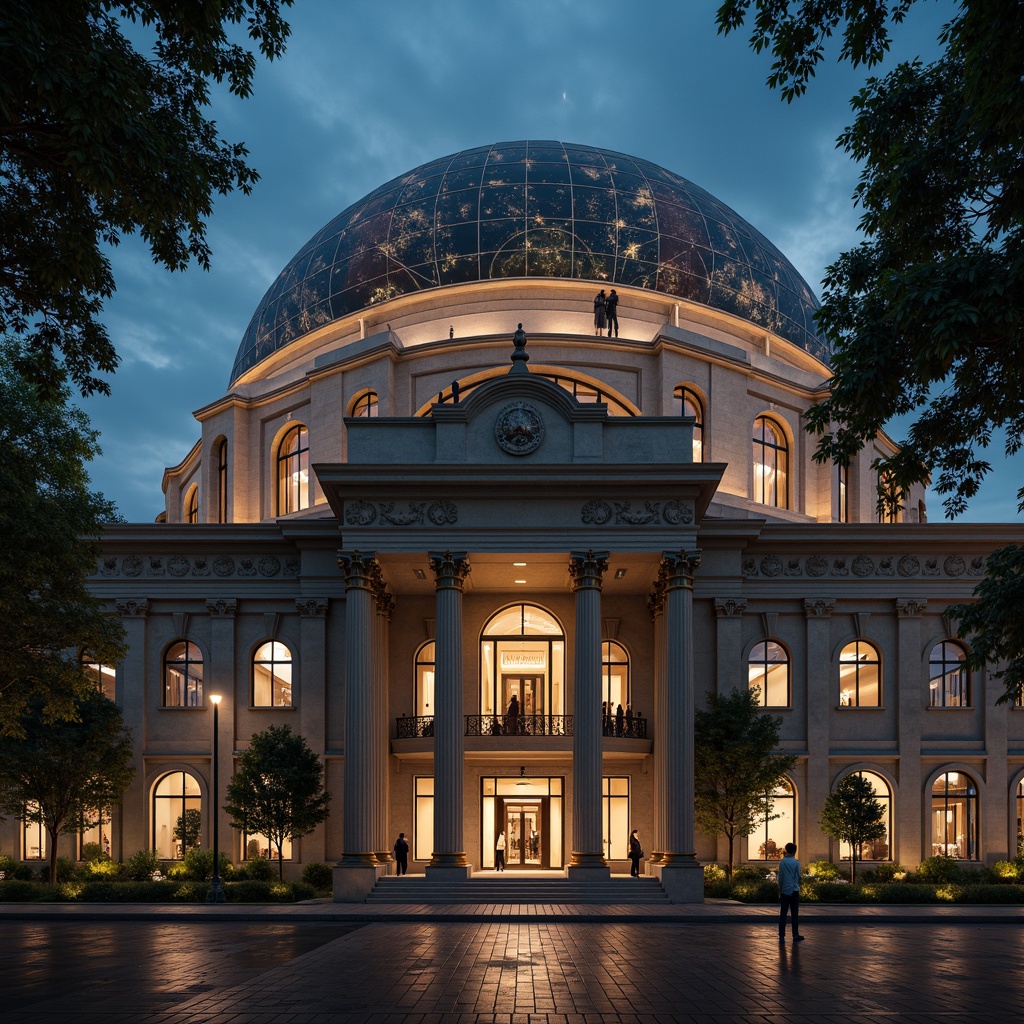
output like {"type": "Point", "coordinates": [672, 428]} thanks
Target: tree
{"type": "Point", "coordinates": [188, 830]}
{"type": "Point", "coordinates": [277, 790]}
{"type": "Point", "coordinates": [736, 766]}
{"type": "Point", "coordinates": [65, 774]}
{"type": "Point", "coordinates": [49, 528]}
{"type": "Point", "coordinates": [852, 815]}
{"type": "Point", "coordinates": [926, 314]}
{"type": "Point", "coordinates": [99, 139]}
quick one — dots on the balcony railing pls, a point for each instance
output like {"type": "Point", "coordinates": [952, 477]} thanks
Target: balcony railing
{"type": "Point", "coordinates": [518, 725]}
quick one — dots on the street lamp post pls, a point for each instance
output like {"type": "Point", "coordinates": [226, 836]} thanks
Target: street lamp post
{"type": "Point", "coordinates": [216, 891]}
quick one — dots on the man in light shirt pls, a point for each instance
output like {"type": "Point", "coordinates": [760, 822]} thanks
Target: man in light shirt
{"type": "Point", "coordinates": [789, 886]}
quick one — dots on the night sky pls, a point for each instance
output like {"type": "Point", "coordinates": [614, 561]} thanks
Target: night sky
{"type": "Point", "coordinates": [369, 90]}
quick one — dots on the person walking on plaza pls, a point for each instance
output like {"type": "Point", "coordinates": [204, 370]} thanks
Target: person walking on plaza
{"type": "Point", "coordinates": [499, 853]}
{"type": "Point", "coordinates": [402, 854]}
{"type": "Point", "coordinates": [611, 308]}
{"type": "Point", "coordinates": [599, 307]}
{"type": "Point", "coordinates": [789, 886]}
{"type": "Point", "coordinates": [635, 853]}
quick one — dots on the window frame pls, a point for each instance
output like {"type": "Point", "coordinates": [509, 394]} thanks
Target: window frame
{"type": "Point", "coordinates": [858, 663]}
{"type": "Point", "coordinates": [761, 842]}
{"type": "Point", "coordinates": [939, 691]}
{"type": "Point", "coordinates": [272, 662]}
{"type": "Point", "coordinates": [189, 801]}
{"type": "Point", "coordinates": [169, 662]}
{"type": "Point", "coordinates": [683, 393]}
{"type": "Point", "coordinates": [775, 468]}
{"type": "Point", "coordinates": [972, 825]}
{"type": "Point", "coordinates": [886, 799]}
{"type": "Point", "coordinates": [222, 480]}
{"type": "Point", "coordinates": [191, 505]}
{"type": "Point", "coordinates": [766, 662]}
{"type": "Point", "coordinates": [293, 492]}
{"type": "Point", "coordinates": [366, 405]}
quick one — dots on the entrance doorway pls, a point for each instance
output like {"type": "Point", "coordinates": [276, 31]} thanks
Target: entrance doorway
{"type": "Point", "coordinates": [528, 691]}
{"type": "Point", "coordinates": [524, 829]}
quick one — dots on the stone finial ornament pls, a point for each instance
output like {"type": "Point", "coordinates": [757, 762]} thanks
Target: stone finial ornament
{"type": "Point", "coordinates": [519, 356]}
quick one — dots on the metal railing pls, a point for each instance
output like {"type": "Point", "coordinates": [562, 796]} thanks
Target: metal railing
{"type": "Point", "coordinates": [516, 725]}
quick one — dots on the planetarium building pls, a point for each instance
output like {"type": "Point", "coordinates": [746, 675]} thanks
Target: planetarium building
{"type": "Point", "coordinates": [487, 557]}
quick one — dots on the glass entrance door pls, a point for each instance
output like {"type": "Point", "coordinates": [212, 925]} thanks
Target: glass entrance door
{"type": "Point", "coordinates": [524, 847]}
{"type": "Point", "coordinates": [528, 691]}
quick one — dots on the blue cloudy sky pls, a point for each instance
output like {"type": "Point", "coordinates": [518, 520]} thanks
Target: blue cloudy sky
{"type": "Point", "coordinates": [369, 89]}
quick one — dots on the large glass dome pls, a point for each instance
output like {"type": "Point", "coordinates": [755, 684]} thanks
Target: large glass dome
{"type": "Point", "coordinates": [534, 209]}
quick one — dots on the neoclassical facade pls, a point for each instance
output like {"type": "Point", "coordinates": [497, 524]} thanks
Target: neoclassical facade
{"type": "Point", "coordinates": [487, 560]}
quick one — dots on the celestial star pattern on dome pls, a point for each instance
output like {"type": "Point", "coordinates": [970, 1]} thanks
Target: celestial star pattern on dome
{"type": "Point", "coordinates": [534, 210]}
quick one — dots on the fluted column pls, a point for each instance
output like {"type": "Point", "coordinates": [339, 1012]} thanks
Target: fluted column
{"type": "Point", "coordinates": [659, 733]}
{"type": "Point", "coordinates": [379, 782]}
{"type": "Point", "coordinates": [587, 569]}
{"type": "Point", "coordinates": [132, 696]}
{"type": "Point", "coordinates": [680, 873]}
{"type": "Point", "coordinates": [357, 818]}
{"type": "Point", "coordinates": [448, 858]}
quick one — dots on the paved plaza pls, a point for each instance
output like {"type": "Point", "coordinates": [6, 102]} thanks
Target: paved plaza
{"type": "Point", "coordinates": [495, 972]}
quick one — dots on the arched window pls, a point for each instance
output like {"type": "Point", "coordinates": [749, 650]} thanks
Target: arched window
{"type": "Point", "coordinates": [293, 471]}
{"type": "Point", "coordinates": [768, 670]}
{"type": "Point", "coordinates": [183, 676]}
{"type": "Point", "coordinates": [775, 825]}
{"type": "Point", "coordinates": [955, 816]}
{"type": "Point", "coordinates": [222, 481]}
{"type": "Point", "coordinates": [689, 404]}
{"type": "Point", "coordinates": [1019, 838]}
{"type": "Point", "coordinates": [522, 655]}
{"type": "Point", "coordinates": [101, 676]}
{"type": "Point", "coordinates": [177, 815]}
{"type": "Point", "coordinates": [272, 676]}
{"type": "Point", "coordinates": [948, 679]}
{"type": "Point", "coordinates": [192, 504]}
{"type": "Point", "coordinates": [614, 675]}
{"type": "Point", "coordinates": [425, 680]}
{"type": "Point", "coordinates": [366, 405]}
{"type": "Point", "coordinates": [771, 464]}
{"type": "Point", "coordinates": [860, 676]}
{"type": "Point", "coordinates": [878, 849]}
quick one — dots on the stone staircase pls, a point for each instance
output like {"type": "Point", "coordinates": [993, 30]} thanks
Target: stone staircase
{"type": "Point", "coordinates": [518, 889]}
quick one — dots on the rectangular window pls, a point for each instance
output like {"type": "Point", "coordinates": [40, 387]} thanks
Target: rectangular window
{"type": "Point", "coordinates": [33, 835]}
{"type": "Point", "coordinates": [423, 831]}
{"type": "Point", "coordinates": [615, 816]}
{"type": "Point", "coordinates": [258, 845]}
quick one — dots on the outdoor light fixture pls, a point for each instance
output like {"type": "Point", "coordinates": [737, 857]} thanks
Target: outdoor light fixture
{"type": "Point", "coordinates": [216, 890]}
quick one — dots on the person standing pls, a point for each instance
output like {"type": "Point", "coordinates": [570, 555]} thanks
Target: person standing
{"type": "Point", "coordinates": [499, 853]}
{"type": "Point", "coordinates": [611, 307]}
{"type": "Point", "coordinates": [635, 853]}
{"type": "Point", "coordinates": [599, 312]}
{"type": "Point", "coordinates": [512, 718]}
{"type": "Point", "coordinates": [402, 854]}
{"type": "Point", "coordinates": [789, 887]}
{"type": "Point", "coordinates": [619, 718]}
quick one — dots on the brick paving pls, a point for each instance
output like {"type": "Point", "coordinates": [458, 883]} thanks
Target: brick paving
{"type": "Point", "coordinates": [496, 972]}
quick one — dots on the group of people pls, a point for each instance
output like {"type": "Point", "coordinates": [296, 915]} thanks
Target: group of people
{"type": "Point", "coordinates": [606, 313]}
{"type": "Point", "coordinates": [619, 722]}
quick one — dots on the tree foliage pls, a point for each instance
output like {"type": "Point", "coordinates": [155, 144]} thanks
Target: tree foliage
{"type": "Point", "coordinates": [66, 774]}
{"type": "Point", "coordinates": [736, 766]}
{"type": "Point", "coordinates": [99, 139]}
{"type": "Point", "coordinates": [49, 527]}
{"type": "Point", "coordinates": [188, 829]}
{"type": "Point", "coordinates": [926, 314]}
{"type": "Point", "coordinates": [852, 815]}
{"type": "Point", "coordinates": [277, 789]}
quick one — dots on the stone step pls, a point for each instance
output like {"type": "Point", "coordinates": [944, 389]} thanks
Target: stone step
{"type": "Point", "coordinates": [418, 889]}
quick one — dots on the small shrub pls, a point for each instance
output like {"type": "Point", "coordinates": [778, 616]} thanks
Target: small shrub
{"type": "Point", "coordinates": [938, 870]}
{"type": "Point", "coordinates": [901, 892]}
{"type": "Point", "coordinates": [102, 869]}
{"type": "Point", "coordinates": [713, 873]}
{"type": "Point", "coordinates": [23, 872]}
{"type": "Point", "coordinates": [92, 852]}
{"type": "Point", "coordinates": [7, 865]}
{"type": "Point", "coordinates": [17, 890]}
{"type": "Point", "coordinates": [191, 892]}
{"type": "Point", "coordinates": [721, 889]}
{"type": "Point", "coordinates": [887, 872]}
{"type": "Point", "coordinates": [751, 873]}
{"type": "Point", "coordinates": [298, 891]}
{"type": "Point", "coordinates": [101, 892]}
{"type": "Point", "coordinates": [980, 893]}
{"type": "Point", "coordinates": [67, 871]}
{"type": "Point", "coordinates": [824, 870]}
{"type": "Point", "coordinates": [140, 866]}
{"type": "Point", "coordinates": [321, 876]}
{"type": "Point", "coordinates": [755, 891]}
{"type": "Point", "coordinates": [253, 891]}
{"type": "Point", "coordinates": [259, 869]}
{"type": "Point", "coordinates": [829, 891]}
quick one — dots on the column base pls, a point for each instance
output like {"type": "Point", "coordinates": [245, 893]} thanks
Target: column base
{"type": "Point", "coordinates": [447, 872]}
{"type": "Point", "coordinates": [354, 882]}
{"type": "Point", "coordinates": [588, 866]}
{"type": "Point", "coordinates": [682, 880]}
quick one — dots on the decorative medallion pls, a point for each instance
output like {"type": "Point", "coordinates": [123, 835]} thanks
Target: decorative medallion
{"type": "Point", "coordinates": [596, 513]}
{"type": "Point", "coordinates": [908, 565]}
{"type": "Point", "coordinates": [678, 513]}
{"type": "Point", "coordinates": [771, 565]}
{"type": "Point", "coordinates": [269, 565]}
{"type": "Point", "coordinates": [863, 565]}
{"type": "Point", "coordinates": [132, 566]}
{"type": "Point", "coordinates": [200, 567]}
{"type": "Point", "coordinates": [177, 565]}
{"type": "Point", "coordinates": [360, 513]}
{"type": "Point", "coordinates": [954, 566]}
{"type": "Point", "coordinates": [223, 565]}
{"type": "Point", "coordinates": [519, 429]}
{"type": "Point", "coordinates": [443, 512]}
{"type": "Point", "coordinates": [389, 515]}
{"type": "Point", "coordinates": [817, 565]}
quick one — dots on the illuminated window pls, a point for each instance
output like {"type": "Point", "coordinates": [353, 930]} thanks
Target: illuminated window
{"type": "Point", "coordinates": [33, 834]}
{"type": "Point", "coordinates": [177, 815]}
{"type": "Point", "coordinates": [425, 680]}
{"type": "Point", "coordinates": [955, 816]}
{"type": "Point", "coordinates": [101, 676]}
{"type": "Point", "coordinates": [1019, 838]}
{"type": "Point", "coordinates": [293, 471]}
{"type": "Point", "coordinates": [771, 464]}
{"type": "Point", "coordinates": [768, 670]}
{"type": "Point", "coordinates": [222, 481]}
{"type": "Point", "coordinates": [614, 674]}
{"type": "Point", "coordinates": [272, 676]}
{"type": "Point", "coordinates": [843, 493]}
{"type": "Point", "coordinates": [860, 676]}
{"type": "Point", "coordinates": [423, 830]}
{"type": "Point", "coordinates": [366, 405]}
{"type": "Point", "coordinates": [689, 404]}
{"type": "Point", "coordinates": [183, 676]}
{"type": "Point", "coordinates": [892, 513]}
{"type": "Point", "coordinates": [96, 838]}
{"type": "Point", "coordinates": [255, 844]}
{"type": "Point", "coordinates": [774, 825]}
{"type": "Point", "coordinates": [192, 505]}
{"type": "Point", "coordinates": [615, 816]}
{"type": "Point", "coordinates": [876, 849]}
{"type": "Point", "coordinates": [948, 678]}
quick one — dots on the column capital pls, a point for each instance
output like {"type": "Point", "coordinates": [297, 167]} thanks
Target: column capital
{"type": "Point", "coordinates": [678, 568]}
{"type": "Point", "coordinates": [730, 607]}
{"type": "Point", "coordinates": [358, 568]}
{"type": "Point", "coordinates": [586, 568]}
{"type": "Point", "coordinates": [221, 607]}
{"type": "Point", "coordinates": [819, 608]}
{"type": "Point", "coordinates": [450, 569]}
{"type": "Point", "coordinates": [385, 602]}
{"type": "Point", "coordinates": [133, 608]}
